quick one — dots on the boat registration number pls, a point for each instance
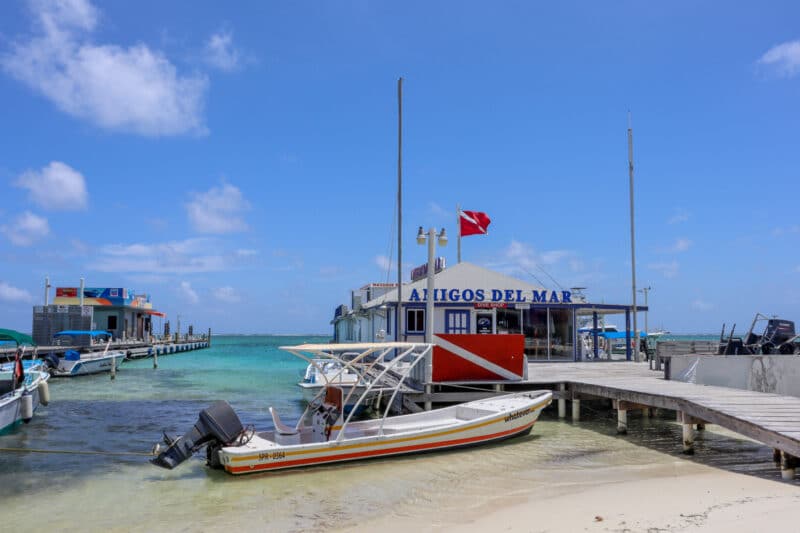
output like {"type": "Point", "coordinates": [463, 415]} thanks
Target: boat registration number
{"type": "Point", "coordinates": [271, 456]}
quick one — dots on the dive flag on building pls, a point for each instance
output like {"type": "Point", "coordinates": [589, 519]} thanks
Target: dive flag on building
{"type": "Point", "coordinates": [473, 223]}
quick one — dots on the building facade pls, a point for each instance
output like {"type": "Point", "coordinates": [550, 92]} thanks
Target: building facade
{"type": "Point", "coordinates": [476, 300]}
{"type": "Point", "coordinates": [121, 312]}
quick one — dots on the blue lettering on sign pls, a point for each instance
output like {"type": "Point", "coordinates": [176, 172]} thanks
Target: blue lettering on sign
{"type": "Point", "coordinates": [497, 295]}
{"type": "Point", "coordinates": [520, 297]}
{"type": "Point", "coordinates": [453, 295]}
{"type": "Point", "coordinates": [479, 295]}
{"type": "Point", "coordinates": [468, 295]}
{"type": "Point", "coordinates": [554, 297]}
{"type": "Point", "coordinates": [539, 296]}
{"type": "Point", "coordinates": [414, 296]}
{"type": "Point", "coordinates": [566, 297]}
{"type": "Point", "coordinates": [509, 295]}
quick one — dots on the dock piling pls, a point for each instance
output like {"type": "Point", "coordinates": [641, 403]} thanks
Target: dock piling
{"type": "Point", "coordinates": [622, 421]}
{"type": "Point", "coordinates": [788, 466]}
{"type": "Point", "coordinates": [576, 410]}
{"type": "Point", "coordinates": [688, 434]}
{"type": "Point", "coordinates": [562, 402]}
{"type": "Point", "coordinates": [155, 358]}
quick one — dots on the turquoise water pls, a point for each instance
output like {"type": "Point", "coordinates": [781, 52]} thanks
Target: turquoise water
{"type": "Point", "coordinates": [77, 492]}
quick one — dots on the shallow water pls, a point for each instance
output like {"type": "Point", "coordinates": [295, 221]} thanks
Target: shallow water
{"type": "Point", "coordinates": [125, 492]}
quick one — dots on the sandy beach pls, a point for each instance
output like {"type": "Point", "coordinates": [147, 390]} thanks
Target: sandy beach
{"type": "Point", "coordinates": [683, 496]}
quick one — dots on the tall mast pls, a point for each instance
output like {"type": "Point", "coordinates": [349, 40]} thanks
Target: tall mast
{"type": "Point", "coordinates": [633, 243]}
{"type": "Point", "coordinates": [399, 207]}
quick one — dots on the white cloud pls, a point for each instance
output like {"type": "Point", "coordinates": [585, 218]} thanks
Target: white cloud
{"type": "Point", "coordinates": [681, 245]}
{"type": "Point", "coordinates": [784, 58]}
{"type": "Point", "coordinates": [9, 293]}
{"type": "Point", "coordinates": [701, 305]}
{"type": "Point", "coordinates": [189, 293]}
{"type": "Point", "coordinates": [57, 186]}
{"type": "Point", "coordinates": [383, 262]}
{"type": "Point", "coordinates": [174, 257]}
{"type": "Point", "coordinates": [133, 89]}
{"type": "Point", "coordinates": [221, 53]}
{"type": "Point", "coordinates": [26, 229]}
{"type": "Point", "coordinates": [226, 294]}
{"type": "Point", "coordinates": [246, 252]}
{"type": "Point", "coordinates": [668, 270]}
{"type": "Point", "coordinates": [219, 210]}
{"type": "Point", "coordinates": [678, 216]}
{"type": "Point", "coordinates": [439, 211]}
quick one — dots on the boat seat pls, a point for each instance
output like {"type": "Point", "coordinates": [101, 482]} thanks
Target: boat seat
{"type": "Point", "coordinates": [284, 434]}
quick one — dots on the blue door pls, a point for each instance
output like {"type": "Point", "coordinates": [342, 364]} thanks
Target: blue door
{"type": "Point", "coordinates": [456, 321]}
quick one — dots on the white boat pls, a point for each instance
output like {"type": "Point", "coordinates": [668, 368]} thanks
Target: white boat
{"type": "Point", "coordinates": [22, 388]}
{"type": "Point", "coordinates": [75, 363]}
{"type": "Point", "coordinates": [321, 372]}
{"type": "Point", "coordinates": [80, 364]}
{"type": "Point", "coordinates": [324, 434]}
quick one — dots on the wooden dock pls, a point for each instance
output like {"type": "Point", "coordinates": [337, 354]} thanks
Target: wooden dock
{"type": "Point", "coordinates": [771, 419]}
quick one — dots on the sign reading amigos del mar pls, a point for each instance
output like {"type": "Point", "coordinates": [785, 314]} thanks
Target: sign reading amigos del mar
{"type": "Point", "coordinates": [493, 295]}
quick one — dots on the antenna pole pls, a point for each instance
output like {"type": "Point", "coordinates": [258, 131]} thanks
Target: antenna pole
{"type": "Point", "coordinates": [637, 355]}
{"type": "Point", "coordinates": [399, 208]}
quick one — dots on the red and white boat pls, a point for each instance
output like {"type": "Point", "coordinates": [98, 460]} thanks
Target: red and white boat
{"type": "Point", "coordinates": [326, 435]}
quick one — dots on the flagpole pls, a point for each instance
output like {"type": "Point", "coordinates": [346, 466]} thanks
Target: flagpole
{"type": "Point", "coordinates": [458, 225]}
{"type": "Point", "coordinates": [399, 208]}
{"type": "Point", "coordinates": [633, 246]}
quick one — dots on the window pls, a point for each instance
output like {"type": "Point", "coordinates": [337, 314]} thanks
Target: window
{"type": "Point", "coordinates": [112, 322]}
{"type": "Point", "coordinates": [456, 321]}
{"type": "Point", "coordinates": [415, 320]}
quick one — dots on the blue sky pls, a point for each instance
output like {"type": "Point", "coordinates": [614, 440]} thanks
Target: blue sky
{"type": "Point", "coordinates": [240, 164]}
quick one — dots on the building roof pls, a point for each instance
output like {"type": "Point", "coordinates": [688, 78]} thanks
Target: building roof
{"type": "Point", "coordinates": [459, 276]}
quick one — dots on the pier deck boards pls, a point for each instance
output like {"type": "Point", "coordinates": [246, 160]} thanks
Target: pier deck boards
{"type": "Point", "coordinates": [768, 418]}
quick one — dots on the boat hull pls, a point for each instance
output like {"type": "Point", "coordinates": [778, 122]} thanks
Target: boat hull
{"type": "Point", "coordinates": [83, 367]}
{"type": "Point", "coordinates": [401, 435]}
{"type": "Point", "coordinates": [11, 405]}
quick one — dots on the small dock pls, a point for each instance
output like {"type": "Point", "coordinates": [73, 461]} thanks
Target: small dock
{"type": "Point", "coordinates": [771, 419]}
{"type": "Point", "coordinates": [134, 349]}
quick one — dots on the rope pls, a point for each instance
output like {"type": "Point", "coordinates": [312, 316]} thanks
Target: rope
{"type": "Point", "coordinates": [74, 452]}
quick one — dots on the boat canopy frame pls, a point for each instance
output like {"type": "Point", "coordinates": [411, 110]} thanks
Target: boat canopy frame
{"type": "Point", "coordinates": [420, 350]}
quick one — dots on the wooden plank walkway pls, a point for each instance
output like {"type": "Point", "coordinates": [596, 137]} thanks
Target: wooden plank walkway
{"type": "Point", "coordinates": [768, 418]}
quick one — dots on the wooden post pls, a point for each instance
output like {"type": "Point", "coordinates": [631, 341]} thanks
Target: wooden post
{"type": "Point", "coordinates": [688, 434]}
{"type": "Point", "coordinates": [701, 426]}
{"type": "Point", "coordinates": [576, 410]}
{"type": "Point", "coordinates": [788, 465]}
{"type": "Point", "coordinates": [498, 387]}
{"type": "Point", "coordinates": [562, 403]}
{"type": "Point", "coordinates": [622, 421]}
{"type": "Point", "coordinates": [209, 337]}
{"type": "Point", "coordinates": [155, 358]}
{"type": "Point", "coordinates": [114, 368]}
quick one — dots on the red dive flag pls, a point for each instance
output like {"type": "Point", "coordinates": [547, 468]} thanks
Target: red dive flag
{"type": "Point", "coordinates": [474, 223]}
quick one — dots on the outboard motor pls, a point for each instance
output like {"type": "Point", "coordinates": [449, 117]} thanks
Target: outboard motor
{"type": "Point", "coordinates": [50, 360]}
{"type": "Point", "coordinates": [218, 425]}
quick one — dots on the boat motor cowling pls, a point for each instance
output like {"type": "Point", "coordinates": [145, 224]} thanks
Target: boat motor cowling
{"type": "Point", "coordinates": [218, 424]}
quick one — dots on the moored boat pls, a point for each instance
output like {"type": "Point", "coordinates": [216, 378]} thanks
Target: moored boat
{"type": "Point", "coordinates": [75, 363]}
{"type": "Point", "coordinates": [23, 386]}
{"type": "Point", "coordinates": [325, 434]}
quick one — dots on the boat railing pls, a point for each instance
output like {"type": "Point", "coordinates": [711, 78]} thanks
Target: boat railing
{"type": "Point", "coordinates": [359, 364]}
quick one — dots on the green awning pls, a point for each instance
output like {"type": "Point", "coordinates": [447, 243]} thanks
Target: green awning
{"type": "Point", "coordinates": [16, 336]}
